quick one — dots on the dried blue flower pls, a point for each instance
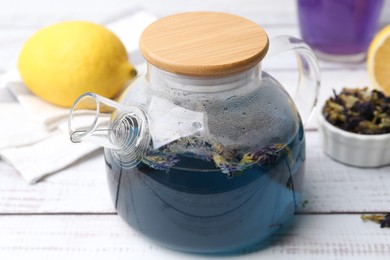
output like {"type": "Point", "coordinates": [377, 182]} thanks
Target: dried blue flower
{"type": "Point", "coordinates": [386, 221]}
{"type": "Point", "coordinates": [359, 111]}
{"type": "Point", "coordinates": [268, 155]}
{"type": "Point", "coordinates": [230, 160]}
{"type": "Point", "coordinates": [382, 219]}
{"type": "Point", "coordinates": [160, 162]}
{"type": "Point", "coordinates": [228, 168]}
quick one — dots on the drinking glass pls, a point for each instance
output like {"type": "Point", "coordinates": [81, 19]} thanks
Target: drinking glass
{"type": "Point", "coordinates": [339, 30]}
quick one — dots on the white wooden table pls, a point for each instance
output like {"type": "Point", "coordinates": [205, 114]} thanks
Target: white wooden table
{"type": "Point", "coordinates": [69, 215]}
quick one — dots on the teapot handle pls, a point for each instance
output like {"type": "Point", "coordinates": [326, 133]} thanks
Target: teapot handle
{"type": "Point", "coordinates": [306, 93]}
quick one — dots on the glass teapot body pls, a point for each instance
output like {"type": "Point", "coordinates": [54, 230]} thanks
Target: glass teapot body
{"type": "Point", "coordinates": [227, 168]}
{"type": "Point", "coordinates": [204, 152]}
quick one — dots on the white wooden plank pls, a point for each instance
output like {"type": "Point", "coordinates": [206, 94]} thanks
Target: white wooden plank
{"type": "Point", "coordinates": [334, 187]}
{"type": "Point", "coordinates": [107, 237]}
{"type": "Point", "coordinates": [27, 14]}
{"type": "Point", "coordinates": [11, 42]}
{"type": "Point", "coordinates": [261, 11]}
{"type": "Point", "coordinates": [276, 12]}
{"type": "Point", "coordinates": [81, 187]}
{"type": "Point", "coordinates": [385, 15]}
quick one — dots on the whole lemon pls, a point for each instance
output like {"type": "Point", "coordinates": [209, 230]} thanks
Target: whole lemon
{"type": "Point", "coordinates": [60, 62]}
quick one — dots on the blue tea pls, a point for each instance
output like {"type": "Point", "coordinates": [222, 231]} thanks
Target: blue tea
{"type": "Point", "coordinates": [339, 27]}
{"type": "Point", "coordinates": [191, 203]}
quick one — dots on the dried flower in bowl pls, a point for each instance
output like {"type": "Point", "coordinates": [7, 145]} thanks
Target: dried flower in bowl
{"type": "Point", "coordinates": [354, 127]}
{"type": "Point", "coordinates": [359, 110]}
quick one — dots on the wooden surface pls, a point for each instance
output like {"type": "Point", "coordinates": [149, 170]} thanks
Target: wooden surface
{"type": "Point", "coordinates": [69, 215]}
{"type": "Point", "coordinates": [204, 44]}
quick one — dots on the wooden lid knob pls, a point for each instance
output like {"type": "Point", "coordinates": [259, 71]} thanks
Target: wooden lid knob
{"type": "Point", "coordinates": [204, 44]}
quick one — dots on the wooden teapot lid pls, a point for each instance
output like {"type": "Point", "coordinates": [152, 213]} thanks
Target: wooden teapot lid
{"type": "Point", "coordinates": [204, 44]}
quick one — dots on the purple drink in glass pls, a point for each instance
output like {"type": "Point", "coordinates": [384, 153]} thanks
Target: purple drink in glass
{"type": "Point", "coordinates": [339, 30]}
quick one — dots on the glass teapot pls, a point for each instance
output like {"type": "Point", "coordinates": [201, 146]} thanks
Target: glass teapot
{"type": "Point", "coordinates": [205, 152]}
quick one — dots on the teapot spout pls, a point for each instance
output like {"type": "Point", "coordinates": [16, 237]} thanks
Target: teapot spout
{"type": "Point", "coordinates": [122, 129]}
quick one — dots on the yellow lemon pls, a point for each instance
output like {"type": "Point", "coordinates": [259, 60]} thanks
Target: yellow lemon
{"type": "Point", "coordinates": [60, 62]}
{"type": "Point", "coordinates": [378, 60]}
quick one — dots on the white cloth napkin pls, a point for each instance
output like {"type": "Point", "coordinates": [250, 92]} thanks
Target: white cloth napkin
{"type": "Point", "coordinates": [32, 135]}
